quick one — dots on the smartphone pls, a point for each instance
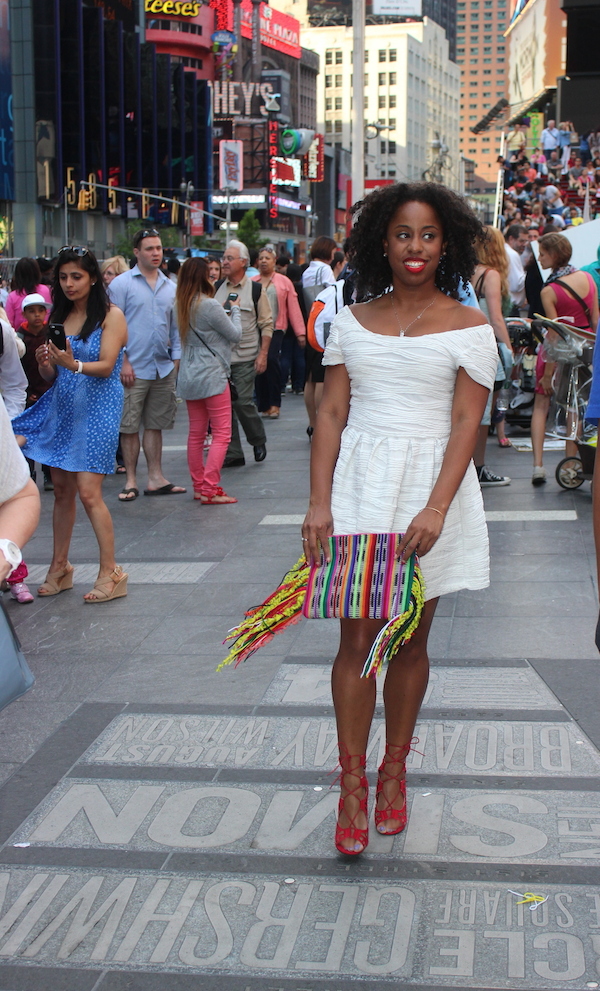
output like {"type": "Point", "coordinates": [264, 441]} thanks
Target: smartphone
{"type": "Point", "coordinates": [56, 334]}
{"type": "Point", "coordinates": [227, 305]}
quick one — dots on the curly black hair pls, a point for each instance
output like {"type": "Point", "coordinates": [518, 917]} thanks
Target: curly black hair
{"type": "Point", "coordinates": [460, 226]}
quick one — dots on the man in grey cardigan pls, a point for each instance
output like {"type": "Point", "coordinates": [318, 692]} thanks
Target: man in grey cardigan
{"type": "Point", "coordinates": [249, 358]}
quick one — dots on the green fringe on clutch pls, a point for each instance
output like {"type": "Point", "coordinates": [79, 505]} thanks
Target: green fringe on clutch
{"type": "Point", "coordinates": [397, 632]}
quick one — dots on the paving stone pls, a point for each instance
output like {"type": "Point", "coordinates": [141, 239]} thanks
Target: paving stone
{"type": "Point", "coordinates": [320, 929]}
{"type": "Point", "coordinates": [287, 742]}
{"type": "Point", "coordinates": [448, 687]}
{"type": "Point", "coordinates": [140, 573]}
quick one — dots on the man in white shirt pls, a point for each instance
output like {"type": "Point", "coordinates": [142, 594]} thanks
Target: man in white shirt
{"type": "Point", "coordinates": [516, 241]}
{"type": "Point", "coordinates": [550, 138]}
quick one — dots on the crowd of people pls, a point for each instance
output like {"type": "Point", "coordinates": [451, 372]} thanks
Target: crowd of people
{"type": "Point", "coordinates": [227, 336]}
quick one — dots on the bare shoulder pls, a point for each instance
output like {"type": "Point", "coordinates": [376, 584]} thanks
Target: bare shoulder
{"type": "Point", "coordinates": [115, 322]}
{"type": "Point", "coordinates": [464, 317]}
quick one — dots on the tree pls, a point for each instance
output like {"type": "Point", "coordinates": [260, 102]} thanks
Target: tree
{"type": "Point", "coordinates": [170, 237]}
{"type": "Point", "coordinates": [249, 231]}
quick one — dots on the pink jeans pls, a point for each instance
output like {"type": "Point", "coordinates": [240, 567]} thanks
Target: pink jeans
{"type": "Point", "coordinates": [217, 410]}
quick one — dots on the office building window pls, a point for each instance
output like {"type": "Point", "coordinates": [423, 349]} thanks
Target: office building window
{"type": "Point", "coordinates": [382, 55]}
{"type": "Point", "coordinates": [382, 78]}
{"type": "Point", "coordinates": [382, 102]}
{"type": "Point", "coordinates": [338, 81]}
{"type": "Point", "coordinates": [328, 103]}
{"type": "Point", "coordinates": [338, 103]}
{"type": "Point", "coordinates": [366, 78]}
{"type": "Point", "coordinates": [393, 54]}
{"type": "Point", "coordinates": [337, 126]}
{"type": "Point", "coordinates": [338, 58]}
{"type": "Point", "coordinates": [366, 56]}
{"type": "Point", "coordinates": [391, 147]}
{"type": "Point", "coordinates": [366, 102]}
{"type": "Point", "coordinates": [392, 123]}
{"type": "Point", "coordinates": [392, 99]}
{"type": "Point", "coordinates": [328, 82]}
{"type": "Point", "coordinates": [329, 57]}
{"type": "Point", "coordinates": [328, 126]}
{"type": "Point", "coordinates": [393, 76]}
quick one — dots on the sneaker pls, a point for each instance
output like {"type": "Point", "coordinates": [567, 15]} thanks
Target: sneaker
{"type": "Point", "coordinates": [20, 592]}
{"type": "Point", "coordinates": [487, 478]}
{"type": "Point", "coordinates": [539, 476]}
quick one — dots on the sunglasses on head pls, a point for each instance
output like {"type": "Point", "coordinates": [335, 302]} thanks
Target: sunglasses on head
{"type": "Point", "coordinates": [151, 232]}
{"type": "Point", "coordinates": [76, 249]}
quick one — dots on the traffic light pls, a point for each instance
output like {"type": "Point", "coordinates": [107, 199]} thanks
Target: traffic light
{"type": "Point", "coordinates": [296, 141]}
{"type": "Point", "coordinates": [83, 203]}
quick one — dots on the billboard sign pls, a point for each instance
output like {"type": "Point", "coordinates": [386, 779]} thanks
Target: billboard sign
{"type": "Point", "coordinates": [197, 218]}
{"type": "Point", "coordinates": [277, 30]}
{"type": "Point", "coordinates": [397, 8]}
{"type": "Point", "coordinates": [313, 163]}
{"type": "Point", "coordinates": [231, 165]}
{"type": "Point", "coordinates": [286, 171]}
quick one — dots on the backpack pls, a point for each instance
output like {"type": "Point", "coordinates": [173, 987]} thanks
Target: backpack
{"type": "Point", "coordinates": [310, 293]}
{"type": "Point", "coordinates": [323, 312]}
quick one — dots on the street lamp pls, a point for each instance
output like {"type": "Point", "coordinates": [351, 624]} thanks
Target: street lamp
{"type": "Point", "coordinates": [373, 131]}
{"type": "Point", "coordinates": [187, 191]}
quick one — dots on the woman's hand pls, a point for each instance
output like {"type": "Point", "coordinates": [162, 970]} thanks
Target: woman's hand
{"type": "Point", "coordinates": [42, 356]}
{"type": "Point", "coordinates": [63, 358]}
{"type": "Point", "coordinates": [317, 527]}
{"type": "Point", "coordinates": [545, 384]}
{"type": "Point", "coordinates": [421, 534]}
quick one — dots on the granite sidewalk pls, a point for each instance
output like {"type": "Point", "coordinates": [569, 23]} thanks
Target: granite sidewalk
{"type": "Point", "coordinates": [167, 827]}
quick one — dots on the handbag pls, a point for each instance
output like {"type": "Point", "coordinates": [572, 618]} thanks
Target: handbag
{"type": "Point", "coordinates": [364, 579]}
{"type": "Point", "coordinates": [15, 675]}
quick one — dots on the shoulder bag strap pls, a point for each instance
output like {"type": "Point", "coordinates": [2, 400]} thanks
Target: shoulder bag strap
{"type": "Point", "coordinates": [575, 295]}
{"type": "Point", "coordinates": [479, 284]}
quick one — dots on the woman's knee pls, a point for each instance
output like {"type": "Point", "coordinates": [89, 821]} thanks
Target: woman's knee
{"type": "Point", "coordinates": [90, 496]}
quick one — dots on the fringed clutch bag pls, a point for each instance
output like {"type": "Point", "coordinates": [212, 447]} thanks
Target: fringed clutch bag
{"type": "Point", "coordinates": [363, 580]}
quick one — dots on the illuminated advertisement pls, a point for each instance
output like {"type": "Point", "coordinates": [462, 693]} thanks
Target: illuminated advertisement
{"type": "Point", "coordinates": [277, 30]}
{"type": "Point", "coordinates": [231, 165]}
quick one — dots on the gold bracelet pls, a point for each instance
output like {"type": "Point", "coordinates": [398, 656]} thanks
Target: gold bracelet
{"type": "Point", "coordinates": [438, 511]}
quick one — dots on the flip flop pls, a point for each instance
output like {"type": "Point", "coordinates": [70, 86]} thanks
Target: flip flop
{"type": "Point", "coordinates": [125, 495]}
{"type": "Point", "coordinates": [168, 489]}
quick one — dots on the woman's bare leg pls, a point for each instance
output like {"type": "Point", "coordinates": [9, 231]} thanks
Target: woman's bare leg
{"type": "Point", "coordinates": [354, 703]}
{"type": "Point", "coordinates": [89, 485]}
{"type": "Point", "coordinates": [403, 691]}
{"type": "Point", "coordinates": [541, 405]}
{"type": "Point", "coordinates": [63, 519]}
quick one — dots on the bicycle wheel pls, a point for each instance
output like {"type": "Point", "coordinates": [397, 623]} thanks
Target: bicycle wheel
{"type": "Point", "coordinates": [568, 473]}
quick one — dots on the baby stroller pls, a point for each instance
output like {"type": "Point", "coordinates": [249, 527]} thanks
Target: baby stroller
{"type": "Point", "coordinates": [525, 335]}
{"type": "Point", "coordinates": [573, 354]}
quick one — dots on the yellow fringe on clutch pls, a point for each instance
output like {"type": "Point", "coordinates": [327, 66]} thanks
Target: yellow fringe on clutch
{"type": "Point", "coordinates": [397, 632]}
{"type": "Point", "coordinates": [281, 609]}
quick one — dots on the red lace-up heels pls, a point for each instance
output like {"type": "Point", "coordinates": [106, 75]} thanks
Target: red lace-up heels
{"type": "Point", "coordinates": [352, 839]}
{"type": "Point", "coordinates": [384, 805]}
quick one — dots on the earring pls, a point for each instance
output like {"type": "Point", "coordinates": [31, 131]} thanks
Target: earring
{"type": "Point", "coordinates": [385, 254]}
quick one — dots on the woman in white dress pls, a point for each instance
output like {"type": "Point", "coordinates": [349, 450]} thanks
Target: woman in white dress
{"type": "Point", "coordinates": [408, 377]}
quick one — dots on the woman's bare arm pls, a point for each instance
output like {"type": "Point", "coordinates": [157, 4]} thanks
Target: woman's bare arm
{"type": "Point", "coordinates": [19, 517]}
{"type": "Point", "coordinates": [331, 420]}
{"type": "Point", "coordinates": [114, 337]}
{"type": "Point", "coordinates": [493, 297]}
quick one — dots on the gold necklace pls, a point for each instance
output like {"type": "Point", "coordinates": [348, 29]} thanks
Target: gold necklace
{"type": "Point", "coordinates": [403, 331]}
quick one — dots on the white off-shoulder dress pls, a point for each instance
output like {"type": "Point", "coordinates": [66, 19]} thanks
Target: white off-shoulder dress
{"type": "Point", "coordinates": [392, 447]}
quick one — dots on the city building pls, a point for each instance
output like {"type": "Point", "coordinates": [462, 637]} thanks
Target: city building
{"type": "Point", "coordinates": [411, 96]}
{"type": "Point", "coordinates": [93, 101]}
{"type": "Point", "coordinates": [185, 35]}
{"type": "Point", "coordinates": [578, 87]}
{"type": "Point", "coordinates": [482, 54]}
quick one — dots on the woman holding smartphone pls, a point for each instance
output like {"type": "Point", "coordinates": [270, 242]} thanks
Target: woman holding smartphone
{"type": "Point", "coordinates": [74, 427]}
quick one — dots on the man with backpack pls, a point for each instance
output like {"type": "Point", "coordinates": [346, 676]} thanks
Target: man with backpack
{"type": "Point", "coordinates": [249, 357]}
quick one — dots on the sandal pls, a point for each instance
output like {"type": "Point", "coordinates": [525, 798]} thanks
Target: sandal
{"type": "Point", "coordinates": [218, 498]}
{"type": "Point", "coordinates": [352, 765]}
{"type": "Point", "coordinates": [57, 581]}
{"type": "Point", "coordinates": [504, 442]}
{"type": "Point", "coordinates": [394, 754]}
{"type": "Point", "coordinates": [117, 579]}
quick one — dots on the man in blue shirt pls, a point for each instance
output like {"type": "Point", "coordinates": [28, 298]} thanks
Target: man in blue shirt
{"type": "Point", "coordinates": [150, 364]}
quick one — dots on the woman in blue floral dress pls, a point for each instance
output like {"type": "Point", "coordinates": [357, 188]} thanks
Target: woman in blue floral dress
{"type": "Point", "coordinates": [74, 427]}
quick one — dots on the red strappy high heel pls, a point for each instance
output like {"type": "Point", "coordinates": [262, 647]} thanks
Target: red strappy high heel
{"type": "Point", "coordinates": [394, 754]}
{"type": "Point", "coordinates": [355, 765]}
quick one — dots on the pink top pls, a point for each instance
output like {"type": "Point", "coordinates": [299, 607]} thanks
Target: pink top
{"type": "Point", "coordinates": [567, 306]}
{"type": "Point", "coordinates": [13, 308]}
{"type": "Point", "coordinates": [289, 311]}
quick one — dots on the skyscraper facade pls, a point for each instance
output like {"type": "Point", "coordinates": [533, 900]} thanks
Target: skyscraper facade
{"type": "Point", "coordinates": [481, 53]}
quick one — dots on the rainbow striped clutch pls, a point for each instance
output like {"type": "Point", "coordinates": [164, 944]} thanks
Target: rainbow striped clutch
{"type": "Point", "coordinates": [363, 580]}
